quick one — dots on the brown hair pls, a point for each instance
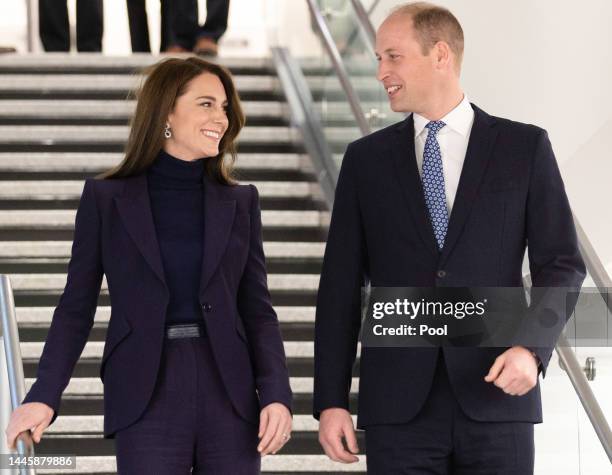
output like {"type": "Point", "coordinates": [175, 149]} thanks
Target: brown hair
{"type": "Point", "coordinates": [165, 82]}
{"type": "Point", "coordinates": [432, 24]}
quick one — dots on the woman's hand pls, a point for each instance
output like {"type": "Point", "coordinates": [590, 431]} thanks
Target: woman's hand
{"type": "Point", "coordinates": [34, 416]}
{"type": "Point", "coordinates": [274, 428]}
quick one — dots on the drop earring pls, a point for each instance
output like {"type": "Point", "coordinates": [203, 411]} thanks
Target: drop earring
{"type": "Point", "coordinates": [167, 131]}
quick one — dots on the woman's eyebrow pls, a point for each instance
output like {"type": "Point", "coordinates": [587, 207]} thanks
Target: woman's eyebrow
{"type": "Point", "coordinates": [210, 98]}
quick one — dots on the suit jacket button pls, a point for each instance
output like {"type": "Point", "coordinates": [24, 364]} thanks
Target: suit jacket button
{"type": "Point", "coordinates": [207, 307]}
{"type": "Point", "coordinates": [441, 274]}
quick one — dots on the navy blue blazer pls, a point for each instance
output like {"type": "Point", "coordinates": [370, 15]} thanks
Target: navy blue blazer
{"type": "Point", "coordinates": [510, 193]}
{"type": "Point", "coordinates": [115, 235]}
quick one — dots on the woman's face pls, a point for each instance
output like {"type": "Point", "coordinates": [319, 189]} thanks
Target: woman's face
{"type": "Point", "coordinates": [199, 119]}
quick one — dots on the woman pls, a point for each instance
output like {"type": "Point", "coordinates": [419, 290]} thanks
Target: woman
{"type": "Point", "coordinates": [193, 347]}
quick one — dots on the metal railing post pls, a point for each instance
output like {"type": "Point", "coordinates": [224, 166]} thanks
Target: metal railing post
{"type": "Point", "coordinates": [13, 392]}
{"type": "Point", "coordinates": [338, 65]}
{"type": "Point", "coordinates": [32, 25]}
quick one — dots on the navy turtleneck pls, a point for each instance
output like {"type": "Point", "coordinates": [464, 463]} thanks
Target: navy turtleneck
{"type": "Point", "coordinates": [176, 192]}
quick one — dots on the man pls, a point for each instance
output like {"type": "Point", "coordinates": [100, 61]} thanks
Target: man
{"type": "Point", "coordinates": [491, 185]}
{"type": "Point", "coordinates": [180, 32]}
{"type": "Point", "coordinates": [54, 28]}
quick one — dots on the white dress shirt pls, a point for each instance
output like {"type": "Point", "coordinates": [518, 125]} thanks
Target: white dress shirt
{"type": "Point", "coordinates": [453, 140]}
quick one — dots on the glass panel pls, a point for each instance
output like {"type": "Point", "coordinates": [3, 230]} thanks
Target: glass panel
{"type": "Point", "coordinates": [594, 353]}
{"type": "Point", "coordinates": [556, 440]}
{"type": "Point", "coordinates": [340, 125]}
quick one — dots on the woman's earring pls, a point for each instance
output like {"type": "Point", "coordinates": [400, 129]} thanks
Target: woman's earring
{"type": "Point", "coordinates": [167, 131]}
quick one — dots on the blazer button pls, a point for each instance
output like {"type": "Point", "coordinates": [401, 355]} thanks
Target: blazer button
{"type": "Point", "coordinates": [441, 274]}
{"type": "Point", "coordinates": [207, 307]}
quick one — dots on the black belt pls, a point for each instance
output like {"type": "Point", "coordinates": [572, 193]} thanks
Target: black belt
{"type": "Point", "coordinates": [184, 330]}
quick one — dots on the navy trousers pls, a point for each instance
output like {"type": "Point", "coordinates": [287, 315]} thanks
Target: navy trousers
{"type": "Point", "coordinates": [190, 422]}
{"type": "Point", "coordinates": [442, 440]}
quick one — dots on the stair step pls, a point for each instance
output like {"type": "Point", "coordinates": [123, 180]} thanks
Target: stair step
{"type": "Point", "coordinates": [18, 250]}
{"type": "Point", "coordinates": [11, 109]}
{"type": "Point", "coordinates": [301, 443]}
{"type": "Point", "coordinates": [94, 405]}
{"type": "Point", "coordinates": [98, 162]}
{"type": "Point", "coordinates": [119, 133]}
{"type": "Point", "coordinates": [11, 84]}
{"type": "Point", "coordinates": [95, 424]}
{"type": "Point", "coordinates": [94, 386]}
{"type": "Point", "coordinates": [119, 111]}
{"type": "Point", "coordinates": [56, 282]}
{"type": "Point", "coordinates": [294, 464]}
{"type": "Point", "coordinates": [39, 190]}
{"type": "Point", "coordinates": [64, 219]}
{"type": "Point", "coordinates": [95, 63]}
{"type": "Point", "coordinates": [43, 315]}
{"type": "Point", "coordinates": [90, 367]}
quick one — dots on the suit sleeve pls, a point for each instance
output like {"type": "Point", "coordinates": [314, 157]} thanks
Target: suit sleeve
{"type": "Point", "coordinates": [74, 314]}
{"type": "Point", "coordinates": [554, 257]}
{"type": "Point", "coordinates": [338, 313]}
{"type": "Point", "coordinates": [260, 319]}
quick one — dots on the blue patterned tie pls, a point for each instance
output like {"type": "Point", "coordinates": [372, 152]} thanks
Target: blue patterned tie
{"type": "Point", "coordinates": [433, 182]}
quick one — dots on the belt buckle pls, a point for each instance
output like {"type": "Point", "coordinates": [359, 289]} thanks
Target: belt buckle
{"type": "Point", "coordinates": [184, 330]}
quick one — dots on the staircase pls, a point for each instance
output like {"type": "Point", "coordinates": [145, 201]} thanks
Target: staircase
{"type": "Point", "coordinates": [64, 118]}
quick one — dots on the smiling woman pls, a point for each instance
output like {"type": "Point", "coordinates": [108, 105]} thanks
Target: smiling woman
{"type": "Point", "coordinates": [190, 108]}
{"type": "Point", "coordinates": [194, 370]}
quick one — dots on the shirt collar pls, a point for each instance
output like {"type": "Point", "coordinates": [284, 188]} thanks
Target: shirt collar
{"type": "Point", "coordinates": [459, 119]}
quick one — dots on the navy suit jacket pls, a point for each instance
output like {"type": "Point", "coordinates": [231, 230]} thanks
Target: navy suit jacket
{"type": "Point", "coordinates": [115, 235]}
{"type": "Point", "coordinates": [510, 193]}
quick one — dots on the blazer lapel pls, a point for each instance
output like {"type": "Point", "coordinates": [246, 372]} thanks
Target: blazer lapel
{"type": "Point", "coordinates": [480, 146]}
{"type": "Point", "coordinates": [218, 220]}
{"type": "Point", "coordinates": [404, 157]}
{"type": "Point", "coordinates": [135, 210]}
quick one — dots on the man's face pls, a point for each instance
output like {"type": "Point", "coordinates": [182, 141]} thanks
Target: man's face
{"type": "Point", "coordinates": [407, 75]}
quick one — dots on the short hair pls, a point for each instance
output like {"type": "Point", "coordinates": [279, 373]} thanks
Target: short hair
{"type": "Point", "coordinates": [431, 24]}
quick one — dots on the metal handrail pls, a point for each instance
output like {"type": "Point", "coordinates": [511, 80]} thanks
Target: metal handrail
{"type": "Point", "coordinates": [593, 263]}
{"type": "Point", "coordinates": [338, 66]}
{"type": "Point", "coordinates": [364, 19]}
{"type": "Point", "coordinates": [305, 117]}
{"type": "Point", "coordinates": [589, 402]}
{"type": "Point", "coordinates": [373, 7]}
{"type": "Point", "coordinates": [14, 367]}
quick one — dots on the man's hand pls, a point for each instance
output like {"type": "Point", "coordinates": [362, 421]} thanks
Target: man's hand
{"type": "Point", "coordinates": [515, 371]}
{"type": "Point", "coordinates": [274, 428]}
{"type": "Point", "coordinates": [34, 416]}
{"type": "Point", "coordinates": [334, 424]}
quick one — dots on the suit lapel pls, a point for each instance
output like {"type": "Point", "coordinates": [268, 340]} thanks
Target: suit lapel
{"type": "Point", "coordinates": [480, 145]}
{"type": "Point", "coordinates": [218, 220]}
{"type": "Point", "coordinates": [402, 150]}
{"type": "Point", "coordinates": [135, 210]}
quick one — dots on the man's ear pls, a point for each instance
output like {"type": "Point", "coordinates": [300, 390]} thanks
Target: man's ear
{"type": "Point", "coordinates": [442, 54]}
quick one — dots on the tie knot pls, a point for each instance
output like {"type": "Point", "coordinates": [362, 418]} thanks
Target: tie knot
{"type": "Point", "coordinates": [435, 126]}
